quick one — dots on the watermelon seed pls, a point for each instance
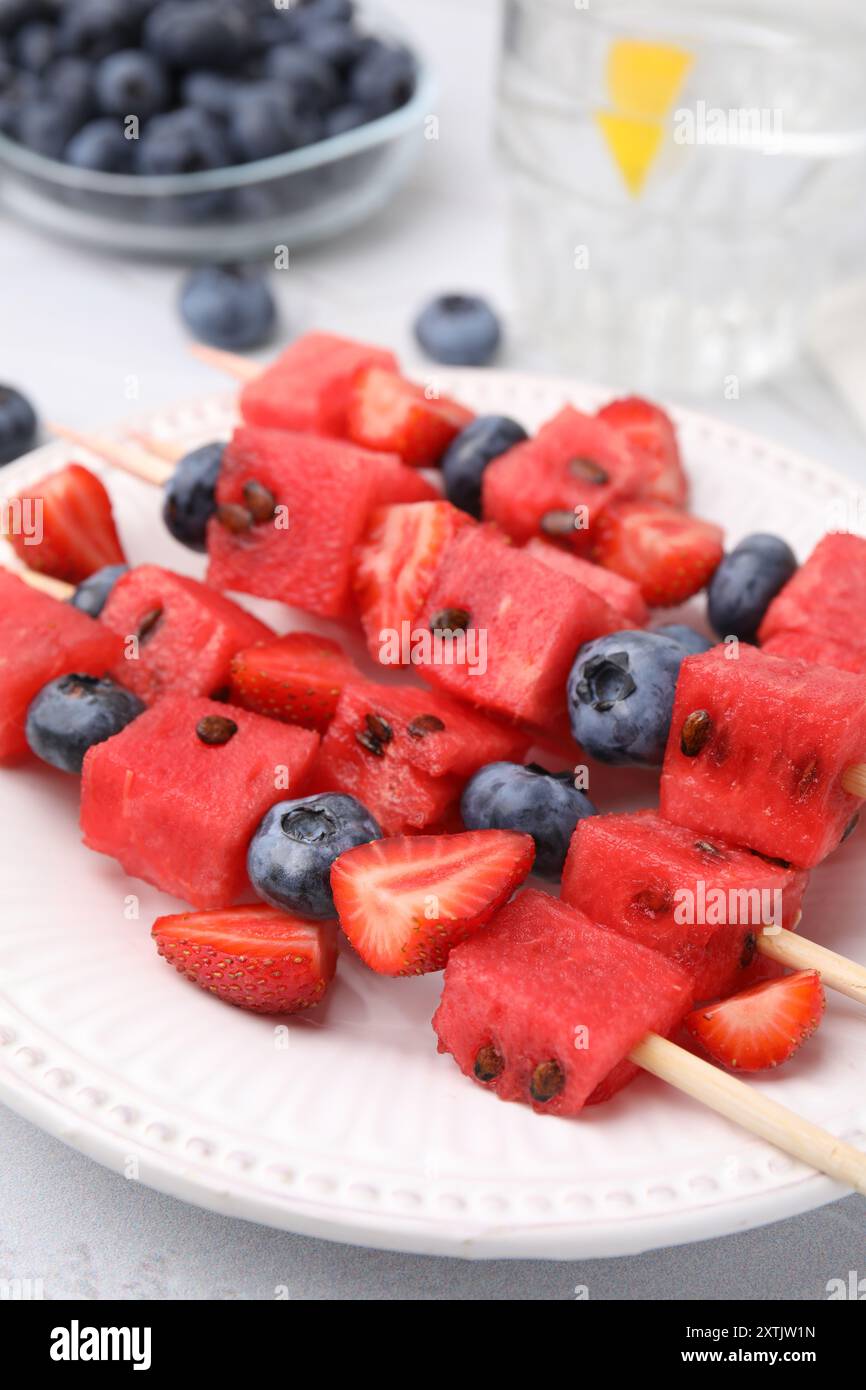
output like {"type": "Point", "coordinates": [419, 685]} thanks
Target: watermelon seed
{"type": "Point", "coordinates": [750, 946]}
{"type": "Point", "coordinates": [379, 728]}
{"type": "Point", "coordinates": [850, 828]}
{"type": "Point", "coordinates": [558, 523]}
{"type": "Point", "coordinates": [370, 742]}
{"type": "Point", "coordinates": [653, 901]}
{"type": "Point", "coordinates": [216, 729]}
{"type": "Point", "coordinates": [695, 732]}
{"type": "Point", "coordinates": [704, 847]}
{"type": "Point", "coordinates": [450, 620]}
{"type": "Point", "coordinates": [424, 724]}
{"type": "Point", "coordinates": [589, 470]}
{"type": "Point", "coordinates": [488, 1063]}
{"type": "Point", "coordinates": [148, 623]}
{"type": "Point", "coordinates": [260, 500]}
{"type": "Point", "coordinates": [234, 517]}
{"type": "Point", "coordinates": [548, 1080]}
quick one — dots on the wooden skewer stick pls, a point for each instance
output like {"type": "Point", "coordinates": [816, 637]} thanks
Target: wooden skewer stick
{"type": "Point", "coordinates": [130, 458]}
{"type": "Point", "coordinates": [227, 362]}
{"type": "Point", "coordinates": [752, 1110]}
{"type": "Point", "coordinates": [46, 583]}
{"type": "Point", "coordinates": [161, 448]}
{"type": "Point", "coordinates": [854, 780]}
{"type": "Point", "coordinates": [800, 954]}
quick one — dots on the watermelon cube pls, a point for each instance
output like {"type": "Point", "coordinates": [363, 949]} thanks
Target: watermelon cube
{"type": "Point", "coordinates": [699, 902]}
{"type": "Point", "coordinates": [559, 483]}
{"type": "Point", "coordinates": [757, 750]}
{"type": "Point", "coordinates": [290, 510]}
{"type": "Point", "coordinates": [389, 413]}
{"type": "Point", "coordinates": [309, 386]}
{"type": "Point", "coordinates": [405, 752]}
{"type": "Point", "coordinates": [176, 796]}
{"type": "Point", "coordinates": [825, 599]}
{"type": "Point", "coordinates": [543, 1006]}
{"type": "Point", "coordinates": [179, 635]}
{"type": "Point", "coordinates": [515, 627]}
{"type": "Point", "coordinates": [621, 595]}
{"type": "Point", "coordinates": [817, 649]}
{"type": "Point", "coordinates": [41, 638]}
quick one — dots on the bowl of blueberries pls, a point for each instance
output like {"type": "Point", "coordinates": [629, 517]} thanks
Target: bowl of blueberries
{"type": "Point", "coordinates": [204, 128]}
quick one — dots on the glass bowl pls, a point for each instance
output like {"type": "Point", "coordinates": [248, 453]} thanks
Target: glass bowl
{"type": "Point", "coordinates": [296, 198]}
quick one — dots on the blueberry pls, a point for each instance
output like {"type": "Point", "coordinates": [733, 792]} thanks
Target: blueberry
{"type": "Point", "coordinates": [94, 28]}
{"type": "Point", "coordinates": [72, 713]}
{"type": "Point", "coordinates": [745, 583]}
{"type": "Point", "coordinates": [101, 145]}
{"type": "Point", "coordinates": [262, 125]}
{"type": "Point", "coordinates": [311, 80]}
{"type": "Point", "coordinates": [339, 43]}
{"type": "Point", "coordinates": [694, 642]}
{"type": "Point", "coordinates": [460, 330]}
{"type": "Point", "coordinates": [189, 500]}
{"type": "Point", "coordinates": [35, 46]}
{"type": "Point", "coordinates": [14, 13]}
{"type": "Point", "coordinates": [545, 805]}
{"type": "Point", "coordinates": [325, 11]}
{"type": "Point", "coordinates": [70, 82]}
{"type": "Point", "coordinates": [45, 126]}
{"type": "Point", "coordinates": [185, 141]}
{"type": "Point", "coordinates": [290, 856]}
{"type": "Point", "coordinates": [92, 593]}
{"type": "Point", "coordinates": [469, 454]}
{"type": "Point", "coordinates": [621, 696]}
{"type": "Point", "coordinates": [228, 306]}
{"type": "Point", "coordinates": [212, 92]}
{"type": "Point", "coordinates": [346, 117]}
{"type": "Point", "coordinates": [199, 34]}
{"type": "Point", "coordinates": [384, 78]}
{"type": "Point", "coordinates": [18, 424]}
{"type": "Point", "coordinates": [131, 83]}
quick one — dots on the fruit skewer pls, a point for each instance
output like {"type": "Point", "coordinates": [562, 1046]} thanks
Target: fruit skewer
{"type": "Point", "coordinates": [229, 363]}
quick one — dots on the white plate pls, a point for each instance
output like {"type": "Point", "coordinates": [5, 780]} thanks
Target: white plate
{"type": "Point", "coordinates": [356, 1129]}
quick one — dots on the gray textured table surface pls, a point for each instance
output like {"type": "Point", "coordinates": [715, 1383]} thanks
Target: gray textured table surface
{"type": "Point", "coordinates": [95, 340]}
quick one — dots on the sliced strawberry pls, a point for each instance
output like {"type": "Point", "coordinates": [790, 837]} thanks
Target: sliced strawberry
{"type": "Point", "coordinates": [63, 525]}
{"type": "Point", "coordinates": [651, 433]}
{"type": "Point", "coordinates": [396, 561]}
{"type": "Point", "coordinates": [388, 413]}
{"type": "Point", "coordinates": [403, 903]}
{"type": "Point", "coordinates": [764, 1025]}
{"type": "Point", "coordinates": [254, 956]}
{"type": "Point", "coordinates": [668, 554]}
{"type": "Point", "coordinates": [297, 678]}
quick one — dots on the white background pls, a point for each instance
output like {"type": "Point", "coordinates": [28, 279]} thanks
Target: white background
{"type": "Point", "coordinates": [91, 340]}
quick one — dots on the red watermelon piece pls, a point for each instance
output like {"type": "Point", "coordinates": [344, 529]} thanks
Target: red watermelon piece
{"type": "Point", "coordinates": [186, 632]}
{"type": "Point", "coordinates": [309, 386]}
{"type": "Point", "coordinates": [559, 483]}
{"type": "Point", "coordinates": [543, 1006]}
{"type": "Point", "coordinates": [621, 595]}
{"type": "Point", "coordinates": [405, 753]}
{"type": "Point", "coordinates": [290, 510]}
{"type": "Point", "coordinates": [389, 413]}
{"type": "Point", "coordinates": [825, 600]}
{"type": "Point", "coordinates": [651, 433]}
{"type": "Point", "coordinates": [41, 638]}
{"type": "Point", "coordinates": [818, 650]}
{"type": "Point", "coordinates": [757, 750]}
{"type": "Point", "coordinates": [179, 811]}
{"type": "Point", "coordinates": [524, 622]}
{"type": "Point", "coordinates": [699, 902]}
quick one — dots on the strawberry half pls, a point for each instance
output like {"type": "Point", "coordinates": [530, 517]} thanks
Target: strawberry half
{"type": "Point", "coordinates": [254, 956]}
{"type": "Point", "coordinates": [64, 526]}
{"type": "Point", "coordinates": [651, 433]}
{"type": "Point", "coordinates": [667, 553]}
{"type": "Point", "coordinates": [297, 679]}
{"type": "Point", "coordinates": [396, 561]}
{"type": "Point", "coordinates": [390, 414]}
{"type": "Point", "coordinates": [404, 902]}
{"type": "Point", "coordinates": [764, 1025]}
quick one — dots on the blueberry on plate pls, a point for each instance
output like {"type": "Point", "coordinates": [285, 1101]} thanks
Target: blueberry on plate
{"type": "Point", "coordinates": [92, 593]}
{"type": "Point", "coordinates": [383, 79]}
{"type": "Point", "coordinates": [101, 145]}
{"type": "Point", "coordinates": [545, 805]}
{"type": "Point", "coordinates": [311, 80]}
{"type": "Point", "coordinates": [460, 330]}
{"type": "Point", "coordinates": [745, 583]}
{"type": "Point", "coordinates": [18, 424]}
{"type": "Point", "coordinates": [290, 856]}
{"type": "Point", "coordinates": [228, 306]}
{"type": "Point", "coordinates": [72, 713]}
{"type": "Point", "coordinates": [189, 500]}
{"type": "Point", "coordinates": [469, 454]}
{"type": "Point", "coordinates": [199, 34]}
{"type": "Point", "coordinates": [693, 641]}
{"type": "Point", "coordinates": [186, 141]}
{"type": "Point", "coordinates": [621, 696]}
{"type": "Point", "coordinates": [131, 83]}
